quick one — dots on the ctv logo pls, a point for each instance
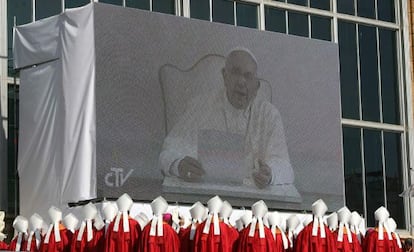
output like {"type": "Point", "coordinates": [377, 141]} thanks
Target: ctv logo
{"type": "Point", "coordinates": [116, 177]}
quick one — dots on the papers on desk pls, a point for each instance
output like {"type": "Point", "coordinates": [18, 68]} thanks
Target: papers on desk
{"type": "Point", "coordinates": [223, 157]}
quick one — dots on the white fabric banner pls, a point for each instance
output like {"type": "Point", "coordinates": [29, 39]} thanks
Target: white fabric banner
{"type": "Point", "coordinates": [57, 110]}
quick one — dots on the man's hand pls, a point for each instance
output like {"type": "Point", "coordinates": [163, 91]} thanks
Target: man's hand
{"type": "Point", "coordinates": [190, 169]}
{"type": "Point", "coordinates": [263, 176]}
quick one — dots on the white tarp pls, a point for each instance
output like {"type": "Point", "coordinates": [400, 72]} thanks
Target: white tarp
{"type": "Point", "coordinates": [57, 110]}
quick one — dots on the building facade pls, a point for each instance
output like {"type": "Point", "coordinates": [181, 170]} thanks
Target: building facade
{"type": "Point", "coordinates": [374, 39]}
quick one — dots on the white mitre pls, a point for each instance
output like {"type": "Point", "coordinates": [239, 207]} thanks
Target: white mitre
{"type": "Point", "coordinates": [344, 216]}
{"type": "Point", "coordinates": [36, 222]}
{"type": "Point", "coordinates": [124, 204]}
{"type": "Point", "coordinates": [259, 210]}
{"type": "Point", "coordinates": [35, 227]}
{"type": "Point", "coordinates": [275, 221]}
{"type": "Point", "coordinates": [89, 213]}
{"type": "Point", "coordinates": [109, 211]}
{"type": "Point", "coordinates": [197, 212]}
{"type": "Point", "coordinates": [159, 206]}
{"type": "Point", "coordinates": [226, 211]}
{"type": "Point", "coordinates": [392, 225]}
{"type": "Point", "coordinates": [214, 205]}
{"type": "Point", "coordinates": [246, 218]}
{"type": "Point", "coordinates": [381, 215]}
{"type": "Point", "coordinates": [20, 225]}
{"type": "Point", "coordinates": [319, 208]}
{"type": "Point", "coordinates": [55, 215]}
{"type": "Point", "coordinates": [332, 221]}
{"type": "Point", "coordinates": [354, 222]}
{"type": "Point", "coordinates": [71, 222]}
{"type": "Point", "coordinates": [291, 224]}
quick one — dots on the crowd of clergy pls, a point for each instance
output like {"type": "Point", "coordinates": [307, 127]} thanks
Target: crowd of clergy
{"type": "Point", "coordinates": [113, 230]}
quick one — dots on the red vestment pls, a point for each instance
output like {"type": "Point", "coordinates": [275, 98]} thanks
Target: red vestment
{"type": "Point", "coordinates": [13, 244]}
{"type": "Point", "coordinates": [215, 243]}
{"type": "Point", "coordinates": [70, 236]}
{"type": "Point", "coordinates": [345, 245]}
{"type": "Point", "coordinates": [372, 244]}
{"type": "Point", "coordinates": [278, 240]}
{"type": "Point", "coordinates": [290, 242]}
{"type": "Point", "coordinates": [33, 245]}
{"type": "Point", "coordinates": [3, 246]}
{"type": "Point", "coordinates": [396, 246]}
{"type": "Point", "coordinates": [123, 241]}
{"type": "Point", "coordinates": [169, 242]}
{"type": "Point", "coordinates": [186, 245]}
{"type": "Point", "coordinates": [62, 246]}
{"type": "Point", "coordinates": [96, 244]}
{"type": "Point", "coordinates": [305, 242]}
{"type": "Point", "coordinates": [255, 243]}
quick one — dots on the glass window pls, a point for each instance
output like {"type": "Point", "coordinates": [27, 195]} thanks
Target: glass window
{"type": "Point", "coordinates": [246, 15]}
{"type": "Point", "coordinates": [348, 70]}
{"type": "Point", "coordinates": [164, 6]}
{"type": "Point", "coordinates": [139, 4]}
{"type": "Point", "coordinates": [21, 11]}
{"type": "Point", "coordinates": [321, 4]}
{"type": "Point", "coordinates": [321, 28]}
{"type": "Point", "coordinates": [374, 177]}
{"type": "Point", "coordinates": [275, 19]}
{"type": "Point", "coordinates": [114, 2]}
{"type": "Point", "coordinates": [353, 169]}
{"type": "Point", "coordinates": [389, 80]}
{"type": "Point", "coordinates": [298, 24]}
{"type": "Point", "coordinates": [47, 8]}
{"type": "Point", "coordinates": [386, 10]}
{"type": "Point", "coordinates": [394, 178]}
{"type": "Point", "coordinates": [346, 6]}
{"type": "Point", "coordinates": [12, 147]}
{"type": "Point", "coordinates": [366, 8]}
{"type": "Point", "coordinates": [223, 11]}
{"type": "Point", "coordinates": [75, 3]}
{"type": "Point", "coordinates": [369, 73]}
{"type": "Point", "coordinates": [200, 9]}
{"type": "Point", "coordinates": [298, 2]}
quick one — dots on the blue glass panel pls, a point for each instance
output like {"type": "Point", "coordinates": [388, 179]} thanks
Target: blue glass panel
{"type": "Point", "coordinates": [246, 15]}
{"type": "Point", "coordinates": [366, 8]}
{"type": "Point", "coordinates": [346, 6]}
{"type": "Point", "coordinates": [47, 8]}
{"type": "Point", "coordinates": [354, 194]}
{"type": "Point", "coordinates": [348, 59]}
{"type": "Point", "coordinates": [394, 177]}
{"type": "Point", "coordinates": [76, 3]}
{"type": "Point", "coordinates": [298, 24]}
{"type": "Point", "coordinates": [200, 9]}
{"type": "Point", "coordinates": [223, 11]}
{"type": "Point", "coordinates": [164, 6]}
{"type": "Point", "coordinates": [275, 19]}
{"type": "Point", "coordinates": [374, 177]}
{"type": "Point", "coordinates": [389, 80]}
{"type": "Point", "coordinates": [321, 28]}
{"type": "Point", "coordinates": [369, 73]}
{"type": "Point", "coordinates": [139, 4]}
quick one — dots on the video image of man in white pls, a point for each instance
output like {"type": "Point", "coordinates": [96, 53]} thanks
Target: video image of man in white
{"type": "Point", "coordinates": [234, 110]}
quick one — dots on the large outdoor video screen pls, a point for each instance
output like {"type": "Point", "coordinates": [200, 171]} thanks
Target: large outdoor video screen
{"type": "Point", "coordinates": [189, 109]}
